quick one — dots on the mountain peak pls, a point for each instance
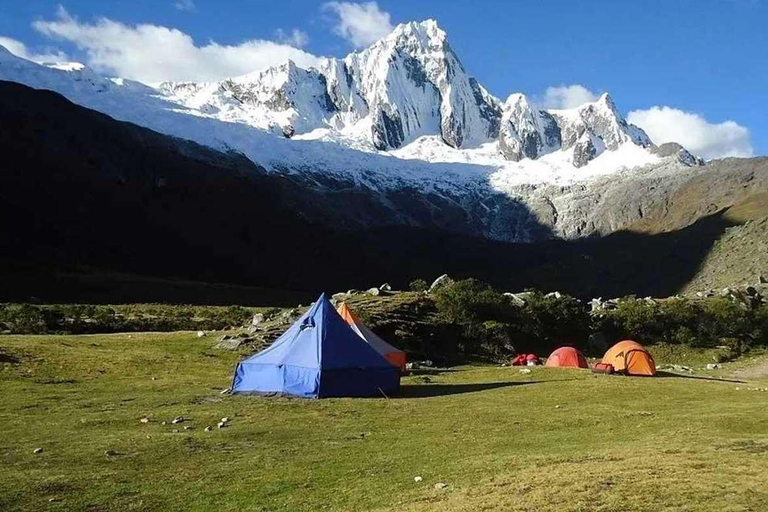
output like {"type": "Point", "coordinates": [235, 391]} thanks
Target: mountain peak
{"type": "Point", "coordinates": [427, 31]}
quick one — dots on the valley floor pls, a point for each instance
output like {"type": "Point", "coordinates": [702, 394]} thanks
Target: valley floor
{"type": "Point", "coordinates": [498, 438]}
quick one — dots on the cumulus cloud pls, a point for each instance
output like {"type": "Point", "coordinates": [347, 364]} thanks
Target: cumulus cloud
{"type": "Point", "coordinates": [153, 53]}
{"type": "Point", "coordinates": [296, 38]}
{"type": "Point", "coordinates": [20, 50]}
{"type": "Point", "coordinates": [185, 5]}
{"type": "Point", "coordinates": [567, 96]}
{"type": "Point", "coordinates": [362, 24]}
{"type": "Point", "coordinates": [694, 132]}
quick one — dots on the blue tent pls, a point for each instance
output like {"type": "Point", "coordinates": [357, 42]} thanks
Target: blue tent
{"type": "Point", "coordinates": [318, 356]}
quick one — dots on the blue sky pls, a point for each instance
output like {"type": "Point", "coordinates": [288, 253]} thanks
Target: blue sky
{"type": "Point", "coordinates": [706, 60]}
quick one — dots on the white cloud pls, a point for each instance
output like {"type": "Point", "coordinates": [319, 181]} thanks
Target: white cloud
{"type": "Point", "coordinates": [185, 5]}
{"type": "Point", "coordinates": [694, 132]}
{"type": "Point", "coordinates": [20, 50]}
{"type": "Point", "coordinates": [362, 24]}
{"type": "Point", "coordinates": [567, 96]}
{"type": "Point", "coordinates": [153, 53]}
{"type": "Point", "coordinates": [296, 38]}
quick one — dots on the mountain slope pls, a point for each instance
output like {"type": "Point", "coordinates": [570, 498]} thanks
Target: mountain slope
{"type": "Point", "coordinates": [80, 189]}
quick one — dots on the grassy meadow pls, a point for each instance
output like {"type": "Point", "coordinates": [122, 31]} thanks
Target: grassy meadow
{"type": "Point", "coordinates": [551, 439]}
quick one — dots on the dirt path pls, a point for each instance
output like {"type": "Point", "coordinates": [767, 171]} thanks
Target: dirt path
{"type": "Point", "coordinates": [757, 370]}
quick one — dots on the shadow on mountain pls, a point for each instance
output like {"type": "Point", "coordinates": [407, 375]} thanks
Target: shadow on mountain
{"type": "Point", "coordinates": [96, 210]}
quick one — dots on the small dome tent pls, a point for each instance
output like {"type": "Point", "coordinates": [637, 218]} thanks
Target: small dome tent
{"type": "Point", "coordinates": [567, 357]}
{"type": "Point", "coordinates": [318, 356]}
{"type": "Point", "coordinates": [390, 353]}
{"type": "Point", "coordinates": [631, 358]}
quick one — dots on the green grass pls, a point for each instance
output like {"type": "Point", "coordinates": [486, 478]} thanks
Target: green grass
{"type": "Point", "coordinates": [495, 436]}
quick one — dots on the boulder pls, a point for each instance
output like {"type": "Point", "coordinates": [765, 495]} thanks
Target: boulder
{"type": "Point", "coordinates": [200, 334]}
{"type": "Point", "coordinates": [232, 343]}
{"type": "Point", "coordinates": [257, 319]}
{"type": "Point", "coordinates": [441, 281]}
{"type": "Point", "coordinates": [373, 291]}
{"type": "Point", "coordinates": [519, 299]}
{"type": "Point", "coordinates": [353, 291]}
{"type": "Point", "coordinates": [553, 295]}
{"type": "Point", "coordinates": [385, 287]}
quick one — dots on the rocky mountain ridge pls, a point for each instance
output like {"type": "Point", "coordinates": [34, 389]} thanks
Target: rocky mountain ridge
{"type": "Point", "coordinates": [407, 85]}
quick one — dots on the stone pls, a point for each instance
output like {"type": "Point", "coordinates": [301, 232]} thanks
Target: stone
{"type": "Point", "coordinates": [440, 485]}
{"type": "Point", "coordinates": [519, 299]}
{"type": "Point", "coordinates": [373, 291]}
{"type": "Point", "coordinates": [225, 391]}
{"type": "Point", "coordinates": [110, 453]}
{"type": "Point", "coordinates": [144, 420]}
{"type": "Point", "coordinates": [553, 295]}
{"type": "Point", "coordinates": [225, 420]}
{"type": "Point", "coordinates": [231, 343]}
{"type": "Point", "coordinates": [417, 479]}
{"type": "Point", "coordinates": [761, 279]}
{"type": "Point", "coordinates": [525, 370]}
{"type": "Point", "coordinates": [178, 419]}
{"type": "Point", "coordinates": [207, 429]}
{"type": "Point", "coordinates": [338, 297]}
{"type": "Point", "coordinates": [257, 319]}
{"type": "Point", "coordinates": [441, 281]}
{"type": "Point", "coordinates": [221, 424]}
{"type": "Point", "coordinates": [200, 334]}
{"type": "Point", "coordinates": [164, 423]}
{"type": "Point", "coordinates": [188, 427]}
{"type": "Point", "coordinates": [385, 287]}
{"type": "Point", "coordinates": [713, 366]}
{"type": "Point", "coordinates": [37, 450]}
{"type": "Point", "coordinates": [353, 291]}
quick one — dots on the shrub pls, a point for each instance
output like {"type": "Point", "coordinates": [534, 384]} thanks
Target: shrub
{"type": "Point", "coordinates": [419, 285]}
{"type": "Point", "coordinates": [469, 302]}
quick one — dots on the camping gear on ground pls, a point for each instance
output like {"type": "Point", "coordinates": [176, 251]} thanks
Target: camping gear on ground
{"type": "Point", "coordinates": [631, 358]}
{"type": "Point", "coordinates": [525, 360]}
{"type": "Point", "coordinates": [318, 356]}
{"type": "Point", "coordinates": [390, 353]}
{"type": "Point", "coordinates": [603, 368]}
{"type": "Point", "coordinates": [567, 356]}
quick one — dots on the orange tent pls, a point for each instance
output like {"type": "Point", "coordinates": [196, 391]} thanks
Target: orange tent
{"type": "Point", "coordinates": [390, 353]}
{"type": "Point", "coordinates": [631, 358]}
{"type": "Point", "coordinates": [567, 356]}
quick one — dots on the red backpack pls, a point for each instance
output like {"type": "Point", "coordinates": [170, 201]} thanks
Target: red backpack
{"type": "Point", "coordinates": [603, 368]}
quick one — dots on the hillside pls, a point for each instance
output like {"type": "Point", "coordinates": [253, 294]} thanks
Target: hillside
{"type": "Point", "coordinates": [739, 257]}
{"type": "Point", "coordinates": [85, 197]}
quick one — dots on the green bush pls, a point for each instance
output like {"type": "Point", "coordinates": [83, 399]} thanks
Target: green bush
{"type": "Point", "coordinates": [696, 323]}
{"type": "Point", "coordinates": [419, 285]}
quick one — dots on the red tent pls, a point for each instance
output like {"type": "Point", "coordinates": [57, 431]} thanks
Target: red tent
{"type": "Point", "coordinates": [567, 356]}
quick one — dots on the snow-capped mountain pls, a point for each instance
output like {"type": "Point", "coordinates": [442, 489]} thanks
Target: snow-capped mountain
{"type": "Point", "coordinates": [408, 85]}
{"type": "Point", "coordinates": [401, 115]}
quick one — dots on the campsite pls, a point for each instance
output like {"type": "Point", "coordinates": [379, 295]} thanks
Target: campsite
{"type": "Point", "coordinates": [383, 255]}
{"type": "Point", "coordinates": [141, 421]}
